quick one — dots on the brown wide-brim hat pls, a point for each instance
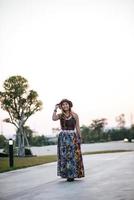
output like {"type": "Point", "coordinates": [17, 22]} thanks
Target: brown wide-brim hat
{"type": "Point", "coordinates": [66, 100]}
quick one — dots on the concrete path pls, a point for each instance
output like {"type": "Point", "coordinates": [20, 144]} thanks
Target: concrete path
{"type": "Point", "coordinates": [108, 177]}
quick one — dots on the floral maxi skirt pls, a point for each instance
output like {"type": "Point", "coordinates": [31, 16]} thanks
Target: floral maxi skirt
{"type": "Point", "coordinates": [70, 162]}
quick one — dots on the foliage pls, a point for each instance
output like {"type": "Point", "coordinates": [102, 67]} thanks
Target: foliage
{"type": "Point", "coordinates": [20, 103]}
{"type": "Point", "coordinates": [96, 132]}
{"type": "Point", "coordinates": [121, 121]}
{"type": "Point", "coordinates": [3, 141]}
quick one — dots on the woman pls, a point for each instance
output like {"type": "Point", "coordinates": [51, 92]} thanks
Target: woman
{"type": "Point", "coordinates": [70, 163]}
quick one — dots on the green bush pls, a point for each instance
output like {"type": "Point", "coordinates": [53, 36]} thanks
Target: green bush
{"type": "Point", "coordinates": [28, 152]}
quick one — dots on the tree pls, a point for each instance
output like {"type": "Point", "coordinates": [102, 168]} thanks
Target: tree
{"type": "Point", "coordinates": [3, 141]}
{"type": "Point", "coordinates": [28, 134]}
{"type": "Point", "coordinates": [86, 134]}
{"type": "Point", "coordinates": [40, 140]}
{"type": "Point", "coordinates": [131, 133]}
{"type": "Point", "coordinates": [97, 126]}
{"type": "Point", "coordinates": [121, 121]}
{"type": "Point", "coordinates": [20, 105]}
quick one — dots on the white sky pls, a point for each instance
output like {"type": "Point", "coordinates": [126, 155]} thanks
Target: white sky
{"type": "Point", "coordinates": [76, 49]}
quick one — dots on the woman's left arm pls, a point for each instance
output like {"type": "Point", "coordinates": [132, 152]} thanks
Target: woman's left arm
{"type": "Point", "coordinates": [77, 125]}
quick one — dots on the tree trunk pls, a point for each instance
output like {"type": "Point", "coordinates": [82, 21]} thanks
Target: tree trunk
{"type": "Point", "coordinates": [21, 144]}
{"type": "Point", "coordinates": [25, 136]}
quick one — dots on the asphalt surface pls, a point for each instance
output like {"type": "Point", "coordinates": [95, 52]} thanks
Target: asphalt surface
{"type": "Point", "coordinates": [107, 177]}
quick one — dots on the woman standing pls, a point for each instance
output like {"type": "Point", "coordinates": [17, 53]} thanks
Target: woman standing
{"type": "Point", "coordinates": [70, 163]}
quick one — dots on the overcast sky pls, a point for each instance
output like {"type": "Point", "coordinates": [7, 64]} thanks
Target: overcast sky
{"type": "Point", "coordinates": [76, 49]}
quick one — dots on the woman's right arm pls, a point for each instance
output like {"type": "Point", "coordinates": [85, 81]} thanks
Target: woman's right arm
{"type": "Point", "coordinates": [55, 116]}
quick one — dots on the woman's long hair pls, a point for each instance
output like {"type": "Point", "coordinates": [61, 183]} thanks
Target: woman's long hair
{"type": "Point", "coordinates": [63, 116]}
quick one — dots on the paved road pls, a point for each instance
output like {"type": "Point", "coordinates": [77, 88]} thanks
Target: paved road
{"type": "Point", "coordinates": [108, 177]}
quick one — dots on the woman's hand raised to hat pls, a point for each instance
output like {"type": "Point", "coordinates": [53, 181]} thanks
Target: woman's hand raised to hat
{"type": "Point", "coordinates": [55, 116]}
{"type": "Point", "coordinates": [56, 106]}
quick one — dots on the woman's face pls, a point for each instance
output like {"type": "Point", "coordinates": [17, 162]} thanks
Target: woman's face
{"type": "Point", "coordinates": [65, 106]}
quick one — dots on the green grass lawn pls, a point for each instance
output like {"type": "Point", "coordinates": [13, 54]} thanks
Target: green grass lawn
{"type": "Point", "coordinates": [38, 160]}
{"type": "Point", "coordinates": [25, 162]}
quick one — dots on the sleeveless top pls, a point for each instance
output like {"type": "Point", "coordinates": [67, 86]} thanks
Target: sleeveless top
{"type": "Point", "coordinates": [68, 124]}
